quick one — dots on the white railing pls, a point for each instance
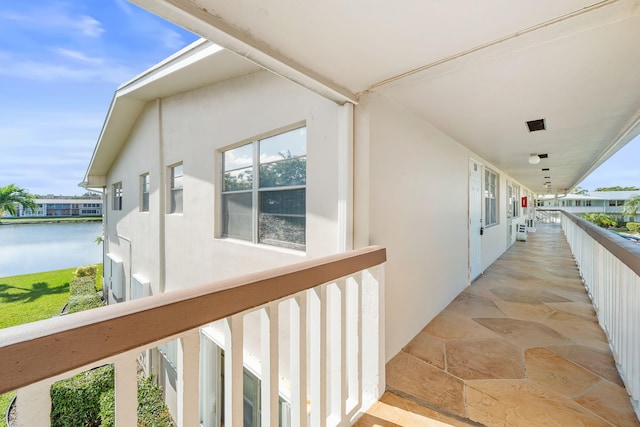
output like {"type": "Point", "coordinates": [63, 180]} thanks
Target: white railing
{"type": "Point", "coordinates": [610, 268]}
{"type": "Point", "coordinates": [547, 216]}
{"type": "Point", "coordinates": [335, 345]}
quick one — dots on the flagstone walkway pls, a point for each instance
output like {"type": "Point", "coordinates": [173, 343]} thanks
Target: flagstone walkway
{"type": "Point", "coordinates": [521, 346]}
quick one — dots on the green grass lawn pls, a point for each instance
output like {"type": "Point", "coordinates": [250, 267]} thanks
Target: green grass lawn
{"type": "Point", "coordinates": [28, 298]}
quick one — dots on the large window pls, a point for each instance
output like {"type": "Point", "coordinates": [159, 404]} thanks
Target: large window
{"type": "Point", "coordinates": [268, 207]}
{"type": "Point", "coordinates": [144, 192]}
{"type": "Point", "coordinates": [117, 196]}
{"type": "Point", "coordinates": [175, 196]}
{"type": "Point", "coordinates": [490, 198]}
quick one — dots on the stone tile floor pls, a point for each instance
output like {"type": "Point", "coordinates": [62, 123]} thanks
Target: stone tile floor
{"type": "Point", "coordinates": [521, 346]}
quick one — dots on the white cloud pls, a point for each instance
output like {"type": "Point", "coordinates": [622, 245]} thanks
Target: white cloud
{"type": "Point", "coordinates": [55, 17]}
{"type": "Point", "coordinates": [171, 39]}
{"type": "Point", "coordinates": [55, 69]}
{"type": "Point", "coordinates": [89, 26]}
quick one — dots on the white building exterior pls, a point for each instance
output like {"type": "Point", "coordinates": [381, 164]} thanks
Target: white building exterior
{"type": "Point", "coordinates": [63, 206]}
{"type": "Point", "coordinates": [609, 202]}
{"type": "Point", "coordinates": [149, 249]}
{"type": "Point", "coordinates": [416, 137]}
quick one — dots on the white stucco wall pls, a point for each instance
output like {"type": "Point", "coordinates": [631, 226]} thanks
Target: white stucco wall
{"type": "Point", "coordinates": [195, 126]}
{"type": "Point", "coordinates": [411, 185]}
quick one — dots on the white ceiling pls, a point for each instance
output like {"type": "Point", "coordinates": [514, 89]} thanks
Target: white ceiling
{"type": "Point", "coordinates": [478, 70]}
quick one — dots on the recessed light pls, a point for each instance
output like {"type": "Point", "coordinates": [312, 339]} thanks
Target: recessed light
{"type": "Point", "coordinates": [536, 125]}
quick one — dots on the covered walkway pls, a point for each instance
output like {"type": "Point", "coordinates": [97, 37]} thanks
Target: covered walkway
{"type": "Point", "coordinates": [521, 346]}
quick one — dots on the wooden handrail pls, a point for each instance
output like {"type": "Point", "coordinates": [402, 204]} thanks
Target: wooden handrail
{"type": "Point", "coordinates": [33, 352]}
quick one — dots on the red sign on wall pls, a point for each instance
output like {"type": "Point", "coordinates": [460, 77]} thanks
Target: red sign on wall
{"type": "Point", "coordinates": [524, 202]}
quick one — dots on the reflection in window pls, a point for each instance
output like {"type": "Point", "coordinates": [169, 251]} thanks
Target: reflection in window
{"type": "Point", "coordinates": [269, 208]}
{"type": "Point", "coordinates": [490, 197]}
{"type": "Point", "coordinates": [117, 196]}
{"type": "Point", "coordinates": [144, 192]}
{"type": "Point", "coordinates": [175, 205]}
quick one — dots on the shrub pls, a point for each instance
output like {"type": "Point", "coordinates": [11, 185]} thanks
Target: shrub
{"type": "Point", "coordinates": [634, 227]}
{"type": "Point", "coordinates": [152, 410]}
{"type": "Point", "coordinates": [601, 219]}
{"type": "Point", "coordinates": [83, 295]}
{"type": "Point", "coordinates": [76, 401]}
{"type": "Point", "coordinates": [86, 271]}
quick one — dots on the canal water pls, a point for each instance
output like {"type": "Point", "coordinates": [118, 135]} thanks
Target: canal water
{"type": "Point", "coordinates": [33, 248]}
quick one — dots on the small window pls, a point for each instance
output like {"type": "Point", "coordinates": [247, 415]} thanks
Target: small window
{"type": "Point", "coordinates": [175, 196]}
{"type": "Point", "coordinates": [490, 198]}
{"type": "Point", "coordinates": [117, 196]}
{"type": "Point", "coordinates": [587, 202]}
{"type": "Point", "coordinates": [269, 208]}
{"type": "Point", "coordinates": [516, 200]}
{"type": "Point", "coordinates": [144, 192]}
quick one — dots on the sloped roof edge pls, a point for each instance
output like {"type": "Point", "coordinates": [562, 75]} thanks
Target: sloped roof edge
{"type": "Point", "coordinates": [161, 80]}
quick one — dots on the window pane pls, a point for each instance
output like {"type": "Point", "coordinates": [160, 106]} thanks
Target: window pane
{"type": "Point", "coordinates": [284, 173]}
{"type": "Point", "coordinates": [236, 215]}
{"type": "Point", "coordinates": [176, 201]}
{"type": "Point", "coordinates": [241, 179]}
{"type": "Point", "coordinates": [284, 146]}
{"type": "Point", "coordinates": [238, 158]}
{"type": "Point", "coordinates": [176, 176]}
{"type": "Point", "coordinates": [282, 219]}
{"type": "Point", "coordinates": [145, 202]}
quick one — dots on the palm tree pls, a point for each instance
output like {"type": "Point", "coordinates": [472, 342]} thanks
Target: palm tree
{"type": "Point", "coordinates": [631, 207]}
{"type": "Point", "coordinates": [11, 196]}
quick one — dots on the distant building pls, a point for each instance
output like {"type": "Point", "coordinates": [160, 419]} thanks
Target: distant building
{"type": "Point", "coordinates": [609, 202]}
{"type": "Point", "coordinates": [64, 206]}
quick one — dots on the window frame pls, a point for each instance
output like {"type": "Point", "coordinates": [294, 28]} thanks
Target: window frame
{"type": "Point", "coordinates": [145, 183]}
{"type": "Point", "coordinates": [491, 198]}
{"type": "Point", "coordinates": [117, 196]}
{"type": "Point", "coordinates": [173, 207]}
{"type": "Point", "coordinates": [258, 192]}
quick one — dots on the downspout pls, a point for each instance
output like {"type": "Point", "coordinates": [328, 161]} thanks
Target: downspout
{"type": "Point", "coordinates": [162, 270]}
{"type": "Point", "coordinates": [345, 177]}
{"type": "Point", "coordinates": [130, 267]}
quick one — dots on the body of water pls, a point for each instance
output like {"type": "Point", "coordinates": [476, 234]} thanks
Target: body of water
{"type": "Point", "coordinates": [32, 248]}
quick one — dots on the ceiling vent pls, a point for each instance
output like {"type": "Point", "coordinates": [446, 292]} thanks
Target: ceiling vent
{"type": "Point", "coordinates": [545, 169]}
{"type": "Point", "coordinates": [535, 125]}
{"type": "Point", "coordinates": [543, 156]}
{"type": "Point", "coordinates": [547, 177]}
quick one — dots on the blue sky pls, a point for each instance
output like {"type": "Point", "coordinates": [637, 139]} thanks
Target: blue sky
{"type": "Point", "coordinates": [60, 63]}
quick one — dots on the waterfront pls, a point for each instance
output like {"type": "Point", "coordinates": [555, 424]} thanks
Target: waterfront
{"type": "Point", "coordinates": [32, 248]}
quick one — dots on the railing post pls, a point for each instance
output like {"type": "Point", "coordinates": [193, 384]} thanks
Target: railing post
{"type": "Point", "coordinates": [270, 377]}
{"type": "Point", "coordinates": [33, 405]}
{"type": "Point", "coordinates": [298, 359]}
{"type": "Point", "coordinates": [188, 379]}
{"type": "Point", "coordinates": [126, 390]}
{"type": "Point", "coordinates": [233, 370]}
{"type": "Point", "coordinates": [373, 335]}
{"type": "Point", "coordinates": [318, 306]}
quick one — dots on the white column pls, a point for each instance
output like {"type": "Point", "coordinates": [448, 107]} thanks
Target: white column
{"type": "Point", "coordinates": [188, 379]}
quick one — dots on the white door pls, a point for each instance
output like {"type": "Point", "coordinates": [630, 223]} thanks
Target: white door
{"type": "Point", "coordinates": [475, 219]}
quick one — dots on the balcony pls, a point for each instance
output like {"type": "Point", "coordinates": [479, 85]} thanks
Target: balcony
{"type": "Point", "coordinates": [522, 345]}
{"type": "Point", "coordinates": [333, 351]}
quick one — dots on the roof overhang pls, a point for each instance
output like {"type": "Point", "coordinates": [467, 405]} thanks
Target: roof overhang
{"type": "Point", "coordinates": [200, 64]}
{"type": "Point", "coordinates": [478, 71]}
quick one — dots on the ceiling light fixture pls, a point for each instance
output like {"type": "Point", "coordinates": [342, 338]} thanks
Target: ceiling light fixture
{"type": "Point", "coordinates": [534, 159]}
